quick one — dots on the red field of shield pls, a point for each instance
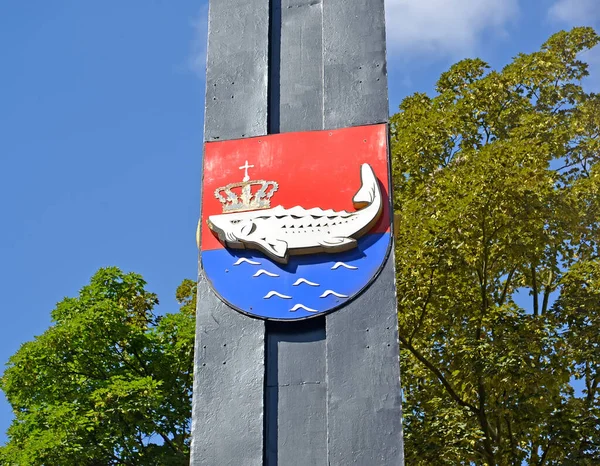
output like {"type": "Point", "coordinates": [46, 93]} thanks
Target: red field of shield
{"type": "Point", "coordinates": [312, 169]}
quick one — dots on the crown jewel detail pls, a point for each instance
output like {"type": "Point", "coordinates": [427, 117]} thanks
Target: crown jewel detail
{"type": "Point", "coordinates": [247, 194]}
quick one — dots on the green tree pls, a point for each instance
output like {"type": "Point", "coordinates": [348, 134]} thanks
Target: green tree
{"type": "Point", "coordinates": [108, 383]}
{"type": "Point", "coordinates": [497, 190]}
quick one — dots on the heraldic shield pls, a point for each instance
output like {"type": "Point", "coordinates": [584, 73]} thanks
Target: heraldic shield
{"type": "Point", "coordinates": [295, 225]}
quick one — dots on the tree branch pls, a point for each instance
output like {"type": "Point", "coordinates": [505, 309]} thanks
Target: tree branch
{"type": "Point", "coordinates": [511, 439]}
{"type": "Point", "coordinates": [447, 385]}
{"type": "Point", "coordinates": [483, 421]}
{"type": "Point", "coordinates": [506, 286]}
{"type": "Point", "coordinates": [423, 311]}
{"type": "Point", "coordinates": [140, 362]}
{"type": "Point", "coordinates": [545, 454]}
{"type": "Point", "coordinates": [547, 291]}
{"type": "Point", "coordinates": [168, 441]}
{"type": "Point", "coordinates": [536, 304]}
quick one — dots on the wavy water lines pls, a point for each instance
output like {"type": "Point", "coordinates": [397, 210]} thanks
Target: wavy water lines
{"type": "Point", "coordinates": [346, 266]}
{"type": "Point", "coordinates": [241, 260]}
{"type": "Point", "coordinates": [302, 306]}
{"type": "Point", "coordinates": [300, 281]}
{"type": "Point", "coordinates": [264, 272]}
{"type": "Point", "coordinates": [279, 295]}
{"type": "Point", "coordinates": [331, 292]}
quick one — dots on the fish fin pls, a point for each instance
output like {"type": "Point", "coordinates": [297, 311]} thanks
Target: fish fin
{"type": "Point", "coordinates": [338, 243]}
{"type": "Point", "coordinates": [369, 189]}
{"type": "Point", "coordinates": [276, 249]}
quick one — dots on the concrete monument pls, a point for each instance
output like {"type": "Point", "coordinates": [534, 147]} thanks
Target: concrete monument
{"type": "Point", "coordinates": [297, 345]}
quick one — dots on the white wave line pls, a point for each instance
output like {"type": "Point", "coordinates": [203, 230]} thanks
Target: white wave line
{"type": "Point", "coordinates": [264, 272]}
{"type": "Point", "coordinates": [302, 306]}
{"type": "Point", "coordinates": [331, 292]}
{"type": "Point", "coordinates": [243, 259]}
{"type": "Point", "coordinates": [304, 280]}
{"type": "Point", "coordinates": [279, 295]}
{"type": "Point", "coordinates": [341, 264]}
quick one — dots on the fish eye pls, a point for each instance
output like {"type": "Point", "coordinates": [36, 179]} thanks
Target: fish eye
{"type": "Point", "coordinates": [233, 222]}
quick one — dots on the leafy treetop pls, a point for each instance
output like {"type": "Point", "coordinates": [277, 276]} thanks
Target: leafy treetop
{"type": "Point", "coordinates": [497, 187]}
{"type": "Point", "coordinates": [108, 383]}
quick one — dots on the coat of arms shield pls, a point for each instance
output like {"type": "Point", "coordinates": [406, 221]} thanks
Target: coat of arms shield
{"type": "Point", "coordinates": [295, 225]}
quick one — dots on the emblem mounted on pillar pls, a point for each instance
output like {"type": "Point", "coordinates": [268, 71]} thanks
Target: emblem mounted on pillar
{"type": "Point", "coordinates": [309, 233]}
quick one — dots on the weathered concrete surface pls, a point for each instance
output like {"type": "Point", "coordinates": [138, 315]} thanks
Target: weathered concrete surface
{"type": "Point", "coordinates": [355, 66]}
{"type": "Point", "coordinates": [237, 69]}
{"type": "Point", "coordinates": [363, 374]}
{"type": "Point", "coordinates": [228, 407]}
{"type": "Point", "coordinates": [228, 385]}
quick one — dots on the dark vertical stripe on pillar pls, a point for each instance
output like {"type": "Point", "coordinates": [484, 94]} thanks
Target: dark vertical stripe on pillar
{"type": "Point", "coordinates": [363, 374]}
{"type": "Point", "coordinates": [296, 401]}
{"type": "Point", "coordinates": [296, 394]}
{"type": "Point", "coordinates": [274, 87]}
{"type": "Point", "coordinates": [301, 76]}
{"type": "Point", "coordinates": [227, 412]}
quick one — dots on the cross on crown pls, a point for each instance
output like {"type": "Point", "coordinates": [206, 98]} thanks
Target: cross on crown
{"type": "Point", "coordinates": [246, 195]}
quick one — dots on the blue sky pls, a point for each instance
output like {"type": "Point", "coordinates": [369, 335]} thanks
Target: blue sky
{"type": "Point", "coordinates": [101, 116]}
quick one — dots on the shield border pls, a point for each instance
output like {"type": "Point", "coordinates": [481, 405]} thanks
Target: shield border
{"type": "Point", "coordinates": [389, 199]}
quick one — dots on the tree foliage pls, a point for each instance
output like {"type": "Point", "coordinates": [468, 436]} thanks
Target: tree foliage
{"type": "Point", "coordinates": [108, 383]}
{"type": "Point", "coordinates": [497, 186]}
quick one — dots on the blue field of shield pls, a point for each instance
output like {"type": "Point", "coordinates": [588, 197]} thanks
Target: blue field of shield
{"type": "Point", "coordinates": [305, 287]}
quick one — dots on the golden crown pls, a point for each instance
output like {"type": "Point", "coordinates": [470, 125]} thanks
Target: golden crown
{"type": "Point", "coordinates": [247, 194]}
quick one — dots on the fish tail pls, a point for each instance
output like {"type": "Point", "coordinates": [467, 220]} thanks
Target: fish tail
{"type": "Point", "coordinates": [369, 191]}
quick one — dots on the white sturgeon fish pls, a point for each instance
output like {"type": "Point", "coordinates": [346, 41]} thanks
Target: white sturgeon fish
{"type": "Point", "coordinates": [281, 232]}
